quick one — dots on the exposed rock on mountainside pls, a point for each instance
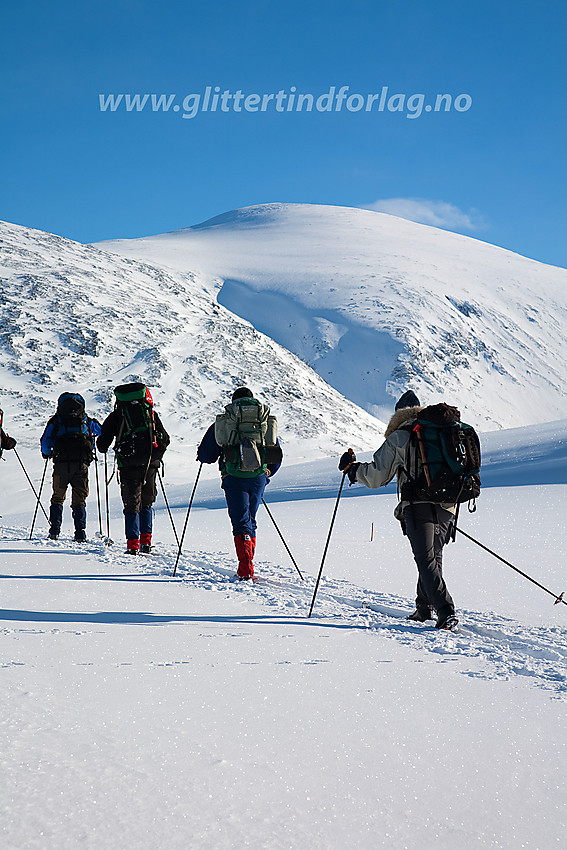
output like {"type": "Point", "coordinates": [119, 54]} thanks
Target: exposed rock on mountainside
{"type": "Point", "coordinates": [76, 317]}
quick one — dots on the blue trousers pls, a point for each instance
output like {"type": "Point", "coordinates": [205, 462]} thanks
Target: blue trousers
{"type": "Point", "coordinates": [243, 498]}
{"type": "Point", "coordinates": [138, 490]}
{"type": "Point", "coordinates": [136, 524]}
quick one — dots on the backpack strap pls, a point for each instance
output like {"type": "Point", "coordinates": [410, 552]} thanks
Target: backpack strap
{"type": "Point", "coordinates": [123, 423]}
{"type": "Point", "coordinates": [153, 432]}
{"type": "Point", "coordinates": [417, 432]}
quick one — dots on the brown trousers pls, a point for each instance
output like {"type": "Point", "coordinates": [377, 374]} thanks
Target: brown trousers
{"type": "Point", "coordinates": [72, 474]}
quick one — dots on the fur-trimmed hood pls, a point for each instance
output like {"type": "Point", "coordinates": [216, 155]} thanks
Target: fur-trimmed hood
{"type": "Point", "coordinates": [401, 416]}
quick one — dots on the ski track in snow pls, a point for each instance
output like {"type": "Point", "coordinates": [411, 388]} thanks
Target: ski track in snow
{"type": "Point", "coordinates": [505, 647]}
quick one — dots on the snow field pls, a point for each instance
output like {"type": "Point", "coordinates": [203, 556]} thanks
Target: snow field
{"type": "Point", "coordinates": [203, 713]}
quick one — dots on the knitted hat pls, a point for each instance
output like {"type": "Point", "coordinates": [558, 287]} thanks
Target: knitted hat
{"type": "Point", "coordinates": [242, 392]}
{"type": "Point", "coordinates": [409, 399]}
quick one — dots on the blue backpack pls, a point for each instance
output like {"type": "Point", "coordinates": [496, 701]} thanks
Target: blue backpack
{"type": "Point", "coordinates": [72, 436]}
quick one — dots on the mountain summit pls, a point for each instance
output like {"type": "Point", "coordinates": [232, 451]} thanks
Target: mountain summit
{"type": "Point", "coordinates": [377, 304]}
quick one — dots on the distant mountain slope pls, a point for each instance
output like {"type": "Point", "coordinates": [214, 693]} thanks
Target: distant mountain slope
{"type": "Point", "coordinates": [376, 304]}
{"type": "Point", "coordinates": [76, 317]}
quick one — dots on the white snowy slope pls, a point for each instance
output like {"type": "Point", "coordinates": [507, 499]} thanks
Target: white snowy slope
{"type": "Point", "coordinates": [376, 304]}
{"type": "Point", "coordinates": [73, 317]}
{"type": "Point", "coordinates": [202, 714]}
{"type": "Point", "coordinates": [196, 713]}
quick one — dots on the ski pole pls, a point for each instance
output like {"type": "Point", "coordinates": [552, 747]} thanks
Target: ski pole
{"type": "Point", "coordinates": [327, 543]}
{"type": "Point", "coordinates": [283, 541]}
{"type": "Point", "coordinates": [108, 539]}
{"type": "Point", "coordinates": [39, 498]}
{"type": "Point", "coordinates": [168, 509]}
{"type": "Point", "coordinates": [31, 484]}
{"type": "Point", "coordinates": [98, 494]}
{"type": "Point", "coordinates": [187, 519]}
{"type": "Point", "coordinates": [557, 598]}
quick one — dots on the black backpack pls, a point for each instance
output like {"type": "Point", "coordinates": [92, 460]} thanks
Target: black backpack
{"type": "Point", "coordinates": [72, 436]}
{"type": "Point", "coordinates": [444, 458]}
{"type": "Point", "coordinates": [139, 440]}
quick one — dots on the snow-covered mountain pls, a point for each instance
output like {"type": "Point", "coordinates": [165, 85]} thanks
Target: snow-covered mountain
{"type": "Point", "coordinates": [75, 317]}
{"type": "Point", "coordinates": [219, 704]}
{"type": "Point", "coordinates": [322, 310]}
{"type": "Point", "coordinates": [376, 304]}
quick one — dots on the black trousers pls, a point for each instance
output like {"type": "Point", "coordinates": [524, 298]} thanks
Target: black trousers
{"type": "Point", "coordinates": [428, 527]}
{"type": "Point", "coordinates": [138, 488]}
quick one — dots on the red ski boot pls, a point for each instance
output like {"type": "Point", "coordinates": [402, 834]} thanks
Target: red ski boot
{"type": "Point", "coordinates": [245, 546]}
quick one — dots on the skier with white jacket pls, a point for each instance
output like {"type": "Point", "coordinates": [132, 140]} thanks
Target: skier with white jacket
{"type": "Point", "coordinates": [428, 525]}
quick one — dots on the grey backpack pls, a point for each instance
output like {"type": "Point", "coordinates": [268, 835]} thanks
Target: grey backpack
{"type": "Point", "coordinates": [247, 433]}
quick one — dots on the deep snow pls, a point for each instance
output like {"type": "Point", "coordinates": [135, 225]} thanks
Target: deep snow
{"type": "Point", "coordinates": [150, 712]}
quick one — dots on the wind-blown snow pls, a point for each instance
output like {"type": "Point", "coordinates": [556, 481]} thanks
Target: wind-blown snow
{"type": "Point", "coordinates": [376, 304]}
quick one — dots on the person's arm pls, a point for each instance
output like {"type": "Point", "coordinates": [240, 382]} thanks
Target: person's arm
{"type": "Point", "coordinates": [108, 431]}
{"type": "Point", "coordinates": [163, 435]}
{"type": "Point", "coordinates": [94, 427]}
{"type": "Point", "coordinates": [273, 467]}
{"type": "Point", "coordinates": [209, 450]}
{"type": "Point", "coordinates": [47, 441]}
{"type": "Point", "coordinates": [6, 442]}
{"type": "Point", "coordinates": [386, 461]}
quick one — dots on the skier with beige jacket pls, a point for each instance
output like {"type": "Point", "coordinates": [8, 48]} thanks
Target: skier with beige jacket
{"type": "Point", "coordinates": [427, 514]}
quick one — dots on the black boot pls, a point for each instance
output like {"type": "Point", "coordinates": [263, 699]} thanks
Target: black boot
{"type": "Point", "coordinates": [80, 520]}
{"type": "Point", "coordinates": [55, 519]}
{"type": "Point", "coordinates": [446, 619]}
{"type": "Point", "coordinates": [420, 615]}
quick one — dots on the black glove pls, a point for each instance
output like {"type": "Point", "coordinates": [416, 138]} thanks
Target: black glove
{"type": "Point", "coordinates": [45, 457]}
{"type": "Point", "coordinates": [351, 473]}
{"type": "Point", "coordinates": [9, 442]}
{"type": "Point", "coordinates": [346, 459]}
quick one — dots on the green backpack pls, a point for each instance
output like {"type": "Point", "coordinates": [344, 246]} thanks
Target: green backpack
{"type": "Point", "coordinates": [247, 434]}
{"type": "Point", "coordinates": [139, 440]}
{"type": "Point", "coordinates": [444, 458]}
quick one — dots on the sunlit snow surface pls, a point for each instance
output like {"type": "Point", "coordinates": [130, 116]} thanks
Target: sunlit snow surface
{"type": "Point", "coordinates": [144, 711]}
{"type": "Point", "coordinates": [73, 317]}
{"type": "Point", "coordinates": [197, 713]}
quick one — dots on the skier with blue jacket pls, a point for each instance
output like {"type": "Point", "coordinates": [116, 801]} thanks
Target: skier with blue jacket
{"type": "Point", "coordinates": [68, 440]}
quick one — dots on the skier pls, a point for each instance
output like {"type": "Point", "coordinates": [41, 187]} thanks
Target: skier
{"type": "Point", "coordinates": [141, 441]}
{"type": "Point", "coordinates": [68, 439]}
{"type": "Point", "coordinates": [244, 441]}
{"type": "Point", "coordinates": [6, 442]}
{"type": "Point", "coordinates": [428, 525]}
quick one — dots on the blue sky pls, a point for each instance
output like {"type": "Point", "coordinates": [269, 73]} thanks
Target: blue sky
{"type": "Point", "coordinates": [494, 170]}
